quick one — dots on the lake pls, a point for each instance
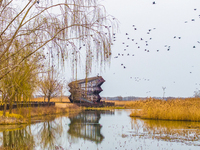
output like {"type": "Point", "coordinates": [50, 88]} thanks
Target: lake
{"type": "Point", "coordinates": [102, 130]}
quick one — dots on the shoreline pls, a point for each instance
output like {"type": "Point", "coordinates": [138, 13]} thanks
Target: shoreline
{"type": "Point", "coordinates": [171, 110]}
{"type": "Point", "coordinates": [29, 115]}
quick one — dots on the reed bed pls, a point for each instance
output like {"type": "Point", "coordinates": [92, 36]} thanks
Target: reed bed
{"type": "Point", "coordinates": [128, 104]}
{"type": "Point", "coordinates": [176, 109]}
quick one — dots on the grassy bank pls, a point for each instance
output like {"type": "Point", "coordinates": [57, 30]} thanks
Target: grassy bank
{"type": "Point", "coordinates": [175, 109]}
{"type": "Point", "coordinates": [29, 114]}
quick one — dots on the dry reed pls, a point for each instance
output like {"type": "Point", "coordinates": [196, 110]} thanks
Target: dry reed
{"type": "Point", "coordinates": [127, 104]}
{"type": "Point", "coordinates": [175, 109]}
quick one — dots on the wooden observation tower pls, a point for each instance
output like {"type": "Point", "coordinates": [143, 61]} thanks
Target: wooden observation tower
{"type": "Point", "coordinates": [86, 90]}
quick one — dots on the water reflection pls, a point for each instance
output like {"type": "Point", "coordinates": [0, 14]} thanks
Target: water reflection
{"type": "Point", "coordinates": [101, 130]}
{"type": "Point", "coordinates": [48, 133]}
{"type": "Point", "coordinates": [173, 131]}
{"type": "Point", "coordinates": [17, 139]}
{"type": "Point", "coordinates": [53, 133]}
{"type": "Point", "coordinates": [43, 134]}
{"type": "Point", "coordinates": [86, 125]}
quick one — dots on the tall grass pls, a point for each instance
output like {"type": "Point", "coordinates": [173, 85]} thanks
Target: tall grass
{"type": "Point", "coordinates": [127, 104]}
{"type": "Point", "coordinates": [175, 109]}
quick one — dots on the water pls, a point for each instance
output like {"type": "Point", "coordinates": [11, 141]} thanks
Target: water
{"type": "Point", "coordinates": [102, 130]}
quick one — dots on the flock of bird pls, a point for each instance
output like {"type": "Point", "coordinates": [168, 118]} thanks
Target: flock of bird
{"type": "Point", "coordinates": [134, 41]}
{"type": "Point", "coordinates": [144, 41]}
{"type": "Point", "coordinates": [143, 44]}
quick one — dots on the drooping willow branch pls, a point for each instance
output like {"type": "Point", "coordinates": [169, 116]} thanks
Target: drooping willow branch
{"type": "Point", "coordinates": [36, 27]}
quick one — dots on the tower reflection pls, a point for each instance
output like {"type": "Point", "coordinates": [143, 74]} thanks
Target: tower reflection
{"type": "Point", "coordinates": [86, 125]}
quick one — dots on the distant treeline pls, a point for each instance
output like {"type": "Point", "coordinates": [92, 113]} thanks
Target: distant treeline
{"type": "Point", "coordinates": [120, 98]}
{"type": "Point", "coordinates": [128, 98]}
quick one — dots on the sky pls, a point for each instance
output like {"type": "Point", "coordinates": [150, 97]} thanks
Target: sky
{"type": "Point", "coordinates": [160, 44]}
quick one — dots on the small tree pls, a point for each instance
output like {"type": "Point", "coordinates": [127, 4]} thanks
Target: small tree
{"type": "Point", "coordinates": [197, 93]}
{"type": "Point", "coordinates": [50, 85]}
{"type": "Point", "coordinates": [120, 98]}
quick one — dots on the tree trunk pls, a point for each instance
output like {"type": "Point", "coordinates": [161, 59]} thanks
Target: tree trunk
{"type": "Point", "coordinates": [4, 110]}
{"type": "Point", "coordinates": [10, 105]}
{"type": "Point", "coordinates": [49, 97]}
{"type": "Point", "coordinates": [5, 105]}
{"type": "Point", "coordinates": [44, 97]}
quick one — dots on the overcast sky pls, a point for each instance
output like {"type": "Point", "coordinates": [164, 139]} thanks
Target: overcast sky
{"type": "Point", "coordinates": [160, 50]}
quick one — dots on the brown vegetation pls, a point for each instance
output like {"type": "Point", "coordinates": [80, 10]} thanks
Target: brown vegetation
{"type": "Point", "coordinates": [175, 109]}
{"type": "Point", "coordinates": [31, 114]}
{"type": "Point", "coordinates": [63, 99]}
{"type": "Point", "coordinates": [42, 111]}
{"type": "Point", "coordinates": [128, 104]}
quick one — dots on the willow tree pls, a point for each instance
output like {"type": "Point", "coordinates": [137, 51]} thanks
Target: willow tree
{"type": "Point", "coordinates": [63, 25]}
{"type": "Point", "coordinates": [20, 82]}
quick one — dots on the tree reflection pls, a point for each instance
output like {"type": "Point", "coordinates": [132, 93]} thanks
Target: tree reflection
{"type": "Point", "coordinates": [86, 125]}
{"type": "Point", "coordinates": [49, 132]}
{"type": "Point", "coordinates": [18, 139]}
